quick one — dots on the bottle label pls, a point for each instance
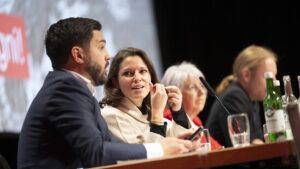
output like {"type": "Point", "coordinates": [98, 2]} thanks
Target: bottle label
{"type": "Point", "coordinates": [275, 121]}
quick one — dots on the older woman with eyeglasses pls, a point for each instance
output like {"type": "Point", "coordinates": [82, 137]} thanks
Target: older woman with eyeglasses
{"type": "Point", "coordinates": [186, 77]}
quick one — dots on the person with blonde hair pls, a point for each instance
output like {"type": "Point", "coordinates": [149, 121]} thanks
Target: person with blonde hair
{"type": "Point", "coordinates": [186, 77]}
{"type": "Point", "coordinates": [241, 92]}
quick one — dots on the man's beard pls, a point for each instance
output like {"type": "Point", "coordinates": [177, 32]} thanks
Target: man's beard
{"type": "Point", "coordinates": [96, 72]}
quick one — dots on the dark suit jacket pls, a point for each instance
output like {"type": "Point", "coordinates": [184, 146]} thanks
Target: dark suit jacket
{"type": "Point", "coordinates": [64, 129]}
{"type": "Point", "coordinates": [236, 100]}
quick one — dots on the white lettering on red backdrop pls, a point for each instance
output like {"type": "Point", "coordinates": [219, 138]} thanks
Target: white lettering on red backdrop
{"type": "Point", "coordinates": [13, 48]}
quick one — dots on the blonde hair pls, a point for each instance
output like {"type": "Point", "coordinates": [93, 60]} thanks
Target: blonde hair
{"type": "Point", "coordinates": [249, 58]}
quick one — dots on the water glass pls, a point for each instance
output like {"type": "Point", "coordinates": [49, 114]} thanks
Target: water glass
{"type": "Point", "coordinates": [239, 131]}
{"type": "Point", "coordinates": [205, 144]}
{"type": "Point", "coordinates": [265, 131]}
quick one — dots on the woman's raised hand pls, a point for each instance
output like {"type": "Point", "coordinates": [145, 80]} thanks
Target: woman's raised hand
{"type": "Point", "coordinates": [159, 99]}
{"type": "Point", "coordinates": [174, 97]}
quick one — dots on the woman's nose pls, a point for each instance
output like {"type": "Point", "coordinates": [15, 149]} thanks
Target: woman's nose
{"type": "Point", "coordinates": [200, 91]}
{"type": "Point", "coordinates": [137, 77]}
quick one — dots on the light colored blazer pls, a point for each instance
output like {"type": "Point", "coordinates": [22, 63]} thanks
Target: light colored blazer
{"type": "Point", "coordinates": [129, 125]}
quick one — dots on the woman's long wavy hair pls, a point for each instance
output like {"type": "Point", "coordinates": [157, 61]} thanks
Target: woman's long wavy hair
{"type": "Point", "coordinates": [114, 95]}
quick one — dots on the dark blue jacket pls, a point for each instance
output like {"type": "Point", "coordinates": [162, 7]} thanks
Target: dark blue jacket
{"type": "Point", "coordinates": [64, 129]}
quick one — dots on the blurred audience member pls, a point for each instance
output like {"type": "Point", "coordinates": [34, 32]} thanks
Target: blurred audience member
{"type": "Point", "coordinates": [241, 92]}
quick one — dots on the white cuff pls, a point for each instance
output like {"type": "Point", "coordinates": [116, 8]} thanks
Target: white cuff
{"type": "Point", "coordinates": [154, 150]}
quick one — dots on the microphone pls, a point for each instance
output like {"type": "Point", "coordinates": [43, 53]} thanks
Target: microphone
{"type": "Point", "coordinates": [212, 93]}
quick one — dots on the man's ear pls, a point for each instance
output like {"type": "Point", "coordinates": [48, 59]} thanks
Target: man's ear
{"type": "Point", "coordinates": [114, 81]}
{"type": "Point", "coordinates": [246, 75]}
{"type": "Point", "coordinates": [78, 55]}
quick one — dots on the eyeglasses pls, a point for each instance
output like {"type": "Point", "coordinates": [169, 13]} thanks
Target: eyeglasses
{"type": "Point", "coordinates": [195, 88]}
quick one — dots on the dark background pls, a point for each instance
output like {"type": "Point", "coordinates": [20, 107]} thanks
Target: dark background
{"type": "Point", "coordinates": [212, 33]}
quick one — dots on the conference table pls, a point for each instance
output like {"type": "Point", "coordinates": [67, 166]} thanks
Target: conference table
{"type": "Point", "coordinates": [279, 155]}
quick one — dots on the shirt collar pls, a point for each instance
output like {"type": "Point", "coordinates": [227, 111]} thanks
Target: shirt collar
{"type": "Point", "coordinates": [84, 80]}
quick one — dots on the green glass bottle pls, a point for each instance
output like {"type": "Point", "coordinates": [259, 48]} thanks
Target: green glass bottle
{"type": "Point", "coordinates": [274, 114]}
{"type": "Point", "coordinates": [284, 99]}
{"type": "Point", "coordinates": [276, 91]}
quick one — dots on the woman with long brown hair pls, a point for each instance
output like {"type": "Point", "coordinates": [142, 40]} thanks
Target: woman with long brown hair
{"type": "Point", "coordinates": [135, 100]}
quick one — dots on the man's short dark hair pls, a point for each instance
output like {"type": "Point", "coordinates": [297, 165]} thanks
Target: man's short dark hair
{"type": "Point", "coordinates": [62, 36]}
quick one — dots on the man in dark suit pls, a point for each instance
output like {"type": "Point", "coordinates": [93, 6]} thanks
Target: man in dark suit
{"type": "Point", "coordinates": [63, 127]}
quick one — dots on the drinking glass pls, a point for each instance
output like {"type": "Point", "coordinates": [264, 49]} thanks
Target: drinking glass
{"type": "Point", "coordinates": [266, 135]}
{"type": "Point", "coordinates": [205, 143]}
{"type": "Point", "coordinates": [239, 131]}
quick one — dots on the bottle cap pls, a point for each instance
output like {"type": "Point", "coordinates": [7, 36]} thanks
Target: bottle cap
{"type": "Point", "coordinates": [286, 78]}
{"type": "Point", "coordinates": [276, 83]}
{"type": "Point", "coordinates": [268, 75]}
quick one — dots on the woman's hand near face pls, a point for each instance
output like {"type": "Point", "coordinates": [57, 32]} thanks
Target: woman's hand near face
{"type": "Point", "coordinates": [159, 99]}
{"type": "Point", "coordinates": [174, 97]}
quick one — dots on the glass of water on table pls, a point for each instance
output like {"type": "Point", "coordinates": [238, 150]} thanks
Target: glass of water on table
{"type": "Point", "coordinates": [205, 143]}
{"type": "Point", "coordinates": [265, 131]}
{"type": "Point", "coordinates": [238, 128]}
